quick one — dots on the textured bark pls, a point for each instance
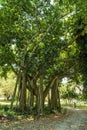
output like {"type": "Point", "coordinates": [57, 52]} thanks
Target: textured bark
{"type": "Point", "coordinates": [40, 102]}
{"type": "Point", "coordinates": [31, 103]}
{"type": "Point", "coordinates": [23, 93]}
{"type": "Point", "coordinates": [54, 96]}
{"type": "Point", "coordinates": [32, 95]}
{"type": "Point", "coordinates": [49, 99]}
{"type": "Point", "coordinates": [32, 86]}
{"type": "Point", "coordinates": [46, 91]}
{"type": "Point", "coordinates": [14, 93]}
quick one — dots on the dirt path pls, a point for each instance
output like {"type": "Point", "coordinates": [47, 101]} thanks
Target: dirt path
{"type": "Point", "coordinates": [75, 121]}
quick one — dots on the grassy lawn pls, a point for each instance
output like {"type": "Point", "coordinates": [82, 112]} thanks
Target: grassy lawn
{"type": "Point", "coordinates": [4, 102]}
{"type": "Point", "coordinates": [79, 104]}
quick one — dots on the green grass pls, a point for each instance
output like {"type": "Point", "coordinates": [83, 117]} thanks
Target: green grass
{"type": "Point", "coordinates": [6, 112]}
{"type": "Point", "coordinates": [79, 104]}
{"type": "Point", "coordinates": [4, 102]}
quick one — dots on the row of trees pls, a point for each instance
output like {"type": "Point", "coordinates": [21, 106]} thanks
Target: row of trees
{"type": "Point", "coordinates": [39, 43]}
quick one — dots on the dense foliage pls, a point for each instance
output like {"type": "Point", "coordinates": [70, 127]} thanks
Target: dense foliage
{"type": "Point", "coordinates": [39, 42]}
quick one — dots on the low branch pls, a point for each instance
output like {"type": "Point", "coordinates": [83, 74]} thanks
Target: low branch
{"type": "Point", "coordinates": [48, 87]}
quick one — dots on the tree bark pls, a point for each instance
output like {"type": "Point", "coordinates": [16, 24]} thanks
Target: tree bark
{"type": "Point", "coordinates": [23, 93]}
{"type": "Point", "coordinates": [49, 99]}
{"type": "Point", "coordinates": [54, 96]}
{"type": "Point", "coordinates": [32, 95]}
{"type": "Point", "coordinates": [46, 91]}
{"type": "Point", "coordinates": [58, 96]}
{"type": "Point", "coordinates": [14, 93]}
{"type": "Point", "coordinates": [40, 105]}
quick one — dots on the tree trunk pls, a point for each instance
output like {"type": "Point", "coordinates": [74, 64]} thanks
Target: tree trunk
{"type": "Point", "coordinates": [54, 96]}
{"type": "Point", "coordinates": [40, 104]}
{"type": "Point", "coordinates": [49, 98]}
{"type": "Point", "coordinates": [46, 91]}
{"type": "Point", "coordinates": [8, 97]}
{"type": "Point", "coordinates": [31, 103]}
{"type": "Point", "coordinates": [58, 96]}
{"type": "Point", "coordinates": [14, 93]}
{"type": "Point", "coordinates": [23, 93]}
